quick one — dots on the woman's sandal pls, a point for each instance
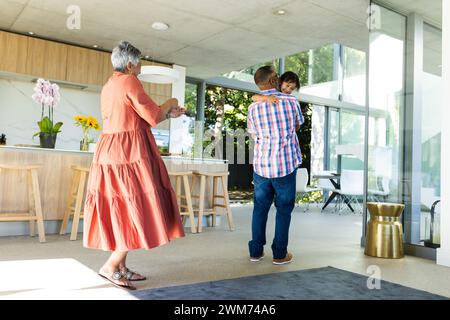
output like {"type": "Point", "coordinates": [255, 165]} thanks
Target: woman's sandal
{"type": "Point", "coordinates": [117, 275]}
{"type": "Point", "coordinates": [128, 274]}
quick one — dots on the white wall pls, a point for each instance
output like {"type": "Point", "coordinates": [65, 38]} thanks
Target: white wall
{"type": "Point", "coordinates": [19, 114]}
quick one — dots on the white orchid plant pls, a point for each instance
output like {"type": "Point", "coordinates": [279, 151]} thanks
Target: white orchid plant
{"type": "Point", "coordinates": [47, 95]}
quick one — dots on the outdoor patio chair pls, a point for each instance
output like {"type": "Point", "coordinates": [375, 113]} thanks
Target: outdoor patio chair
{"type": "Point", "coordinates": [382, 192]}
{"type": "Point", "coordinates": [352, 185]}
{"type": "Point", "coordinates": [302, 185]}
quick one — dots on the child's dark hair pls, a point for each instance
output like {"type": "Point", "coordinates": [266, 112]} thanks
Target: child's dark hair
{"type": "Point", "coordinates": [292, 77]}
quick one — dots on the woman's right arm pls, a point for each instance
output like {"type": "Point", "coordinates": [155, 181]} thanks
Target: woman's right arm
{"type": "Point", "coordinates": [145, 107]}
{"type": "Point", "coordinates": [167, 107]}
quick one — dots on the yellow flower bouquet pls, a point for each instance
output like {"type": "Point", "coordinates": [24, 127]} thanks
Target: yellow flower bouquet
{"type": "Point", "coordinates": [86, 123]}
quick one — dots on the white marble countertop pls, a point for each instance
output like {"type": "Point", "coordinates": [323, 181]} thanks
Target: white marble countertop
{"type": "Point", "coordinates": [170, 158]}
{"type": "Point", "coordinates": [37, 148]}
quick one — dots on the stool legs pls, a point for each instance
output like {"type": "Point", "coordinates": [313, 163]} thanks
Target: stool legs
{"type": "Point", "coordinates": [190, 208]}
{"type": "Point", "coordinates": [32, 211]}
{"type": "Point", "coordinates": [179, 196]}
{"type": "Point", "coordinates": [227, 204]}
{"type": "Point", "coordinates": [70, 199]}
{"type": "Point", "coordinates": [38, 205]}
{"type": "Point", "coordinates": [78, 204]}
{"type": "Point", "coordinates": [213, 201]}
{"type": "Point", "coordinates": [201, 203]}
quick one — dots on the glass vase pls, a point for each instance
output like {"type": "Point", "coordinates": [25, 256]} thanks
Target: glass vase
{"type": "Point", "coordinates": [84, 144]}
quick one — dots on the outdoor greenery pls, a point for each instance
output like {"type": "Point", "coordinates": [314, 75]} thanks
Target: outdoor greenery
{"type": "Point", "coordinates": [322, 65]}
{"type": "Point", "coordinates": [190, 98]}
{"type": "Point", "coordinates": [234, 103]}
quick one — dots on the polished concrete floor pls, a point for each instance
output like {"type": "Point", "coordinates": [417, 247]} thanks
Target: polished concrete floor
{"type": "Point", "coordinates": [63, 269]}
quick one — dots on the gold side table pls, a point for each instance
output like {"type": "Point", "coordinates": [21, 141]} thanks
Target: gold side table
{"type": "Point", "coordinates": [384, 231]}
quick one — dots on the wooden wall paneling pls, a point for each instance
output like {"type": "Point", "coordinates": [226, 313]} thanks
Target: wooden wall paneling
{"type": "Point", "coordinates": [85, 66]}
{"type": "Point", "coordinates": [95, 67]}
{"type": "Point", "coordinates": [35, 57]}
{"type": "Point", "coordinates": [46, 59]}
{"type": "Point", "coordinates": [146, 85]}
{"type": "Point", "coordinates": [13, 52]}
{"type": "Point", "coordinates": [107, 67]}
{"type": "Point", "coordinates": [164, 90]}
{"type": "Point", "coordinates": [55, 66]}
{"type": "Point", "coordinates": [77, 64]}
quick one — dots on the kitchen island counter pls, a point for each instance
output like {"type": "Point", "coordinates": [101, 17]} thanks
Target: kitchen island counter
{"type": "Point", "coordinates": [55, 176]}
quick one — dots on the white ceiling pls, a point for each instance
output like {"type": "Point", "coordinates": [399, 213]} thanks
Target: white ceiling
{"type": "Point", "coordinates": [209, 37]}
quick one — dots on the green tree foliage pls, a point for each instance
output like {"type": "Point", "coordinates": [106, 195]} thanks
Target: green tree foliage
{"type": "Point", "coordinates": [190, 98]}
{"type": "Point", "coordinates": [236, 107]}
{"type": "Point", "coordinates": [304, 135]}
{"type": "Point", "coordinates": [322, 65]}
{"type": "Point", "coordinates": [298, 63]}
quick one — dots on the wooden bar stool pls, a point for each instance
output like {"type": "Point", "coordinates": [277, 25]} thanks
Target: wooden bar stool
{"type": "Point", "coordinates": [76, 195]}
{"type": "Point", "coordinates": [189, 211]}
{"type": "Point", "coordinates": [214, 196]}
{"type": "Point", "coordinates": [34, 201]}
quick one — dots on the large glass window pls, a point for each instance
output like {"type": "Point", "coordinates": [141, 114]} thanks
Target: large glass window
{"type": "Point", "coordinates": [386, 95]}
{"type": "Point", "coordinates": [317, 71]}
{"type": "Point", "coordinates": [247, 74]}
{"type": "Point", "coordinates": [354, 86]}
{"type": "Point", "coordinates": [431, 131]}
{"type": "Point", "coordinates": [352, 137]}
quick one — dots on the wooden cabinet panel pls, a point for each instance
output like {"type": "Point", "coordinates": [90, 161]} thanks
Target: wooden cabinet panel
{"type": "Point", "coordinates": [159, 99]}
{"type": "Point", "coordinates": [58, 61]}
{"type": "Point", "coordinates": [107, 67]}
{"type": "Point", "coordinates": [46, 59]}
{"type": "Point", "coordinates": [13, 52]}
{"type": "Point", "coordinates": [84, 66]}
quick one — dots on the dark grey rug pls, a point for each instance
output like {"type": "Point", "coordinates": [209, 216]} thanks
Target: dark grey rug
{"type": "Point", "coordinates": [313, 284]}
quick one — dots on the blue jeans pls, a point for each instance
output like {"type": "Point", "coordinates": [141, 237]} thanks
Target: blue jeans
{"type": "Point", "coordinates": [283, 190]}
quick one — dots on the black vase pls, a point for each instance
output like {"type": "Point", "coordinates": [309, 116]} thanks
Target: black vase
{"type": "Point", "coordinates": [48, 140]}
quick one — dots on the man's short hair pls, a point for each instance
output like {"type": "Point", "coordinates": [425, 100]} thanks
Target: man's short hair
{"type": "Point", "coordinates": [263, 75]}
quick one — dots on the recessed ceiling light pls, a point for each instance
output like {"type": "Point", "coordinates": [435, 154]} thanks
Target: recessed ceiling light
{"type": "Point", "coordinates": [95, 46]}
{"type": "Point", "coordinates": [147, 57]}
{"type": "Point", "coordinates": [280, 12]}
{"type": "Point", "coordinates": [160, 26]}
{"type": "Point", "coordinates": [30, 33]}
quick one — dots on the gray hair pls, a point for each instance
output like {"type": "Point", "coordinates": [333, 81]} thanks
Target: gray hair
{"type": "Point", "coordinates": [122, 54]}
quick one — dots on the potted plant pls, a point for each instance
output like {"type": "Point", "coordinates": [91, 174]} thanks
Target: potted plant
{"type": "Point", "coordinates": [86, 123]}
{"type": "Point", "coordinates": [47, 95]}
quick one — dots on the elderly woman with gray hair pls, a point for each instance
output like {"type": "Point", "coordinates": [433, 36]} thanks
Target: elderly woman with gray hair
{"type": "Point", "coordinates": [130, 203]}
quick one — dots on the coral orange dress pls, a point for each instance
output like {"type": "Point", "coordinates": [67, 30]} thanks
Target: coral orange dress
{"type": "Point", "coordinates": [130, 203]}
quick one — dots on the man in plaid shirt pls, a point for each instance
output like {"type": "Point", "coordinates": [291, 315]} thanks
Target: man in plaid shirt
{"type": "Point", "coordinates": [276, 159]}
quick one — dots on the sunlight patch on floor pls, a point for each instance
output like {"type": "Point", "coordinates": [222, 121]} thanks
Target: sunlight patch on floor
{"type": "Point", "coordinates": [54, 279]}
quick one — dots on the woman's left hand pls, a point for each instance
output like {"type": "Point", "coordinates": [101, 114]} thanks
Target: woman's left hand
{"type": "Point", "coordinates": [177, 112]}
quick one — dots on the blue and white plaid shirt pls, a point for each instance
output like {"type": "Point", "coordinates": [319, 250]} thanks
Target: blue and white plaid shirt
{"type": "Point", "coordinates": [277, 150]}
